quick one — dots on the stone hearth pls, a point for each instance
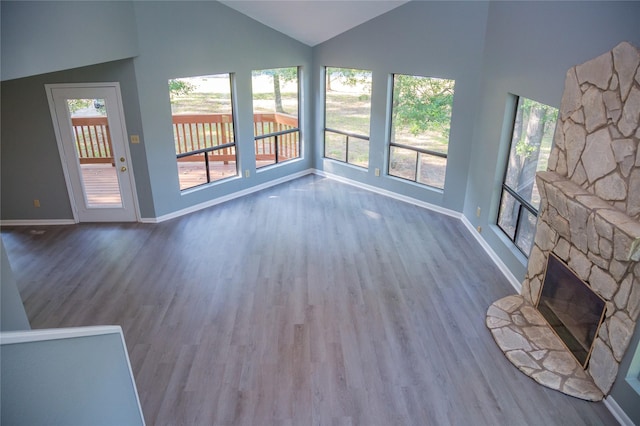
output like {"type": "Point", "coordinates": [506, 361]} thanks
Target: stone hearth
{"type": "Point", "coordinates": [589, 217]}
{"type": "Point", "coordinates": [531, 345]}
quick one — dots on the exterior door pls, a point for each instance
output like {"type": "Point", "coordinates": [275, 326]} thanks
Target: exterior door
{"type": "Point", "coordinates": [92, 140]}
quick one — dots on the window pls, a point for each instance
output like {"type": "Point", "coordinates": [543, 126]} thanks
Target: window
{"type": "Point", "coordinates": [203, 129]}
{"type": "Point", "coordinates": [531, 139]}
{"type": "Point", "coordinates": [275, 115]}
{"type": "Point", "coordinates": [347, 115]}
{"type": "Point", "coordinates": [420, 123]}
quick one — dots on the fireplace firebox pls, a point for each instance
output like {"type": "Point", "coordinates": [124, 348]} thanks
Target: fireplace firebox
{"type": "Point", "coordinates": [571, 308]}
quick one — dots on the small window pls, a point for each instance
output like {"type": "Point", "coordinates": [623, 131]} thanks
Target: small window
{"type": "Point", "coordinates": [531, 140]}
{"type": "Point", "coordinates": [275, 115]}
{"type": "Point", "coordinates": [347, 115]}
{"type": "Point", "coordinates": [203, 129]}
{"type": "Point", "coordinates": [420, 124]}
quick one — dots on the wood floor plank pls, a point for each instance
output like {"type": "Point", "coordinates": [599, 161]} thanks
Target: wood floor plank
{"type": "Point", "coordinates": [310, 303]}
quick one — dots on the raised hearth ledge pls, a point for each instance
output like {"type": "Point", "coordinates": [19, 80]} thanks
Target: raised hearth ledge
{"type": "Point", "coordinates": [567, 197]}
{"type": "Point", "coordinates": [529, 343]}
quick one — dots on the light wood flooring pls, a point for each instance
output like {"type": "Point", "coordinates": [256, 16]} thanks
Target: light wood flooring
{"type": "Point", "coordinates": [310, 303]}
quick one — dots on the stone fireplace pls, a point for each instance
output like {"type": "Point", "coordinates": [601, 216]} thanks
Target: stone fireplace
{"type": "Point", "coordinates": [590, 219]}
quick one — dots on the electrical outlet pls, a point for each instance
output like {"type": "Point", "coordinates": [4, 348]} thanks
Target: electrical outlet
{"type": "Point", "coordinates": [36, 203]}
{"type": "Point", "coordinates": [377, 172]}
{"type": "Point", "coordinates": [247, 173]}
{"type": "Point", "coordinates": [135, 139]}
{"type": "Point", "coordinates": [479, 228]}
{"type": "Point", "coordinates": [478, 210]}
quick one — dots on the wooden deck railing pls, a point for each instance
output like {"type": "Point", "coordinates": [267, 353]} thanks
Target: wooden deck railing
{"type": "Point", "coordinates": [194, 132]}
{"type": "Point", "coordinates": [288, 145]}
{"type": "Point", "coordinates": [93, 140]}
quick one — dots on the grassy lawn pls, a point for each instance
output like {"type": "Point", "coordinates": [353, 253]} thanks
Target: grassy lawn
{"type": "Point", "coordinates": [348, 112]}
{"type": "Point", "coordinates": [201, 103]}
{"type": "Point", "coordinates": [220, 103]}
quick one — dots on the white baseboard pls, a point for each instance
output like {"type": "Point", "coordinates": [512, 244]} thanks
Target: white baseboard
{"type": "Point", "coordinates": [229, 197]}
{"type": "Point", "coordinates": [492, 254]}
{"type": "Point", "coordinates": [37, 222]}
{"type": "Point", "coordinates": [609, 402]}
{"type": "Point", "coordinates": [515, 283]}
{"type": "Point", "coordinates": [390, 194]}
{"type": "Point", "coordinates": [617, 412]}
{"type": "Point", "coordinates": [503, 268]}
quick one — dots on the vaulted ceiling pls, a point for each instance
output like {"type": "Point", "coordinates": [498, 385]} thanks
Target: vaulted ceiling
{"type": "Point", "coordinates": [313, 21]}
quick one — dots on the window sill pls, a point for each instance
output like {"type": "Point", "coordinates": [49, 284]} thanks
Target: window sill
{"type": "Point", "coordinates": [509, 245]}
{"type": "Point", "coordinates": [416, 184]}
{"type": "Point", "coordinates": [280, 164]}
{"type": "Point", "coordinates": [345, 164]}
{"type": "Point", "coordinates": [209, 185]}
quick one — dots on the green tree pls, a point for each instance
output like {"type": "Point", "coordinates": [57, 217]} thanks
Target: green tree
{"type": "Point", "coordinates": [421, 104]}
{"type": "Point", "coordinates": [347, 76]}
{"type": "Point", "coordinates": [179, 87]}
{"type": "Point", "coordinates": [533, 121]}
{"type": "Point", "coordinates": [78, 104]}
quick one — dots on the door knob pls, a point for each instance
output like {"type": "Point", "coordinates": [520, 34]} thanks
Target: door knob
{"type": "Point", "coordinates": [123, 169]}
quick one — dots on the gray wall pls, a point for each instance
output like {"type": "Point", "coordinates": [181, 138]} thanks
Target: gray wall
{"type": "Point", "coordinates": [435, 39]}
{"type": "Point", "coordinates": [199, 38]}
{"type": "Point", "coordinates": [30, 165]}
{"type": "Point", "coordinates": [12, 314]}
{"type": "Point", "coordinates": [40, 37]}
{"type": "Point", "coordinates": [84, 380]}
{"type": "Point", "coordinates": [529, 47]}
{"type": "Point", "coordinates": [622, 392]}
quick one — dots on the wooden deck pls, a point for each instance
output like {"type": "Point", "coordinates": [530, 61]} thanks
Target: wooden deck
{"type": "Point", "coordinates": [192, 174]}
{"type": "Point", "coordinates": [101, 184]}
{"type": "Point", "coordinates": [101, 180]}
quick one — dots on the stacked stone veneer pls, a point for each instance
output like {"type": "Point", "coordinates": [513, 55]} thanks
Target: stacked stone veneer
{"type": "Point", "coordinates": [590, 199]}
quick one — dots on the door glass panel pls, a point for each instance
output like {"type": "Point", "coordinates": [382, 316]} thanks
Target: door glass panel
{"type": "Point", "coordinates": [99, 174]}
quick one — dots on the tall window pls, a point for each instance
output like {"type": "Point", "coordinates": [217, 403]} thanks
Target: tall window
{"type": "Point", "coordinates": [275, 115]}
{"type": "Point", "coordinates": [531, 140]}
{"type": "Point", "coordinates": [347, 115]}
{"type": "Point", "coordinates": [420, 123]}
{"type": "Point", "coordinates": [203, 129]}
